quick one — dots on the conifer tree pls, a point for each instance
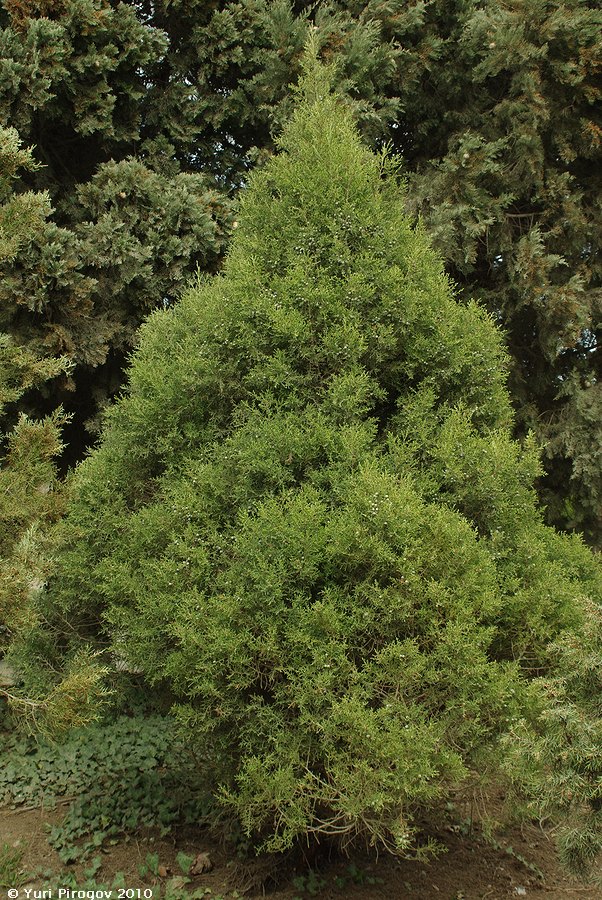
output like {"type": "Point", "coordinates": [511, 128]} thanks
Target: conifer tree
{"type": "Point", "coordinates": [127, 228]}
{"type": "Point", "coordinates": [495, 110]}
{"type": "Point", "coordinates": [505, 152]}
{"type": "Point", "coordinates": [30, 495]}
{"type": "Point", "coordinates": [28, 448]}
{"type": "Point", "coordinates": [308, 519]}
{"type": "Point", "coordinates": [145, 117]}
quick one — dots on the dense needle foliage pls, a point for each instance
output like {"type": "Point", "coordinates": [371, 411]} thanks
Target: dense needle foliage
{"type": "Point", "coordinates": [308, 520]}
{"type": "Point", "coordinates": [27, 448]}
{"type": "Point", "coordinates": [147, 117]}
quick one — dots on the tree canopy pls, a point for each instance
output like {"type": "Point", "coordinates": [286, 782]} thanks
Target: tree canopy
{"type": "Point", "coordinates": [147, 118]}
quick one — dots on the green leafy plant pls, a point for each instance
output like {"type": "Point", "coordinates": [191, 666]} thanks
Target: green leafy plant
{"type": "Point", "coordinates": [150, 865]}
{"type": "Point", "coordinates": [174, 888]}
{"type": "Point", "coordinates": [311, 883]}
{"type": "Point", "coordinates": [184, 861]}
{"type": "Point", "coordinates": [114, 777]}
{"type": "Point", "coordinates": [361, 876]}
{"type": "Point", "coordinates": [93, 868]}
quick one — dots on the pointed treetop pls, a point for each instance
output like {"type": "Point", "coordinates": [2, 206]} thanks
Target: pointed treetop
{"type": "Point", "coordinates": [317, 78]}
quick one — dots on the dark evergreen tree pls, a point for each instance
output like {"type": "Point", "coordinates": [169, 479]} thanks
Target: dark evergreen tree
{"type": "Point", "coordinates": [506, 170]}
{"type": "Point", "coordinates": [309, 521]}
{"type": "Point", "coordinates": [125, 232]}
{"type": "Point", "coordinates": [144, 125]}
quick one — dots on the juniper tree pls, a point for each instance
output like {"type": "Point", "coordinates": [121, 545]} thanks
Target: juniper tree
{"type": "Point", "coordinates": [308, 520]}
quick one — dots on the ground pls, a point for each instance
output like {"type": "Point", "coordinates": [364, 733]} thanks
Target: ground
{"type": "Point", "coordinates": [519, 863]}
{"type": "Point", "coordinates": [78, 793]}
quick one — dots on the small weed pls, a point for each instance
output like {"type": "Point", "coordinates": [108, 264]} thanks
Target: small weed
{"type": "Point", "coordinates": [150, 866]}
{"type": "Point", "coordinates": [11, 873]}
{"type": "Point", "coordinates": [359, 876]}
{"type": "Point", "coordinates": [311, 883]}
{"type": "Point", "coordinates": [510, 851]}
{"type": "Point", "coordinates": [93, 868]}
{"type": "Point", "coordinates": [184, 861]}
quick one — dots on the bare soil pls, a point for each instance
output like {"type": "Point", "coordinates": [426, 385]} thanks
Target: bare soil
{"type": "Point", "coordinates": [523, 864]}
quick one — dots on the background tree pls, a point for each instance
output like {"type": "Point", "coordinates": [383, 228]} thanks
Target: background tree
{"type": "Point", "coordinates": [507, 174]}
{"type": "Point", "coordinates": [309, 522]}
{"type": "Point", "coordinates": [28, 450]}
{"type": "Point", "coordinates": [125, 233]}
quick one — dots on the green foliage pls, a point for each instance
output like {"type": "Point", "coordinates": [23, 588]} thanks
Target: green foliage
{"type": "Point", "coordinates": [147, 116]}
{"type": "Point", "coordinates": [184, 862]}
{"type": "Point", "coordinates": [126, 227]}
{"type": "Point", "coordinates": [68, 879]}
{"type": "Point", "coordinates": [309, 520]}
{"type": "Point", "coordinates": [311, 883]}
{"type": "Point", "coordinates": [75, 700]}
{"type": "Point", "coordinates": [151, 865]}
{"type": "Point", "coordinates": [555, 759]}
{"type": "Point", "coordinates": [506, 173]}
{"type": "Point", "coordinates": [21, 214]}
{"type": "Point", "coordinates": [29, 501]}
{"type": "Point", "coordinates": [116, 777]}
{"type": "Point", "coordinates": [28, 497]}
{"type": "Point", "coordinates": [11, 873]}
{"type": "Point", "coordinates": [175, 888]}
{"type": "Point", "coordinates": [135, 237]}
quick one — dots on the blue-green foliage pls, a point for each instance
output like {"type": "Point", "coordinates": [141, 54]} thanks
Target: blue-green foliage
{"type": "Point", "coordinates": [308, 520]}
